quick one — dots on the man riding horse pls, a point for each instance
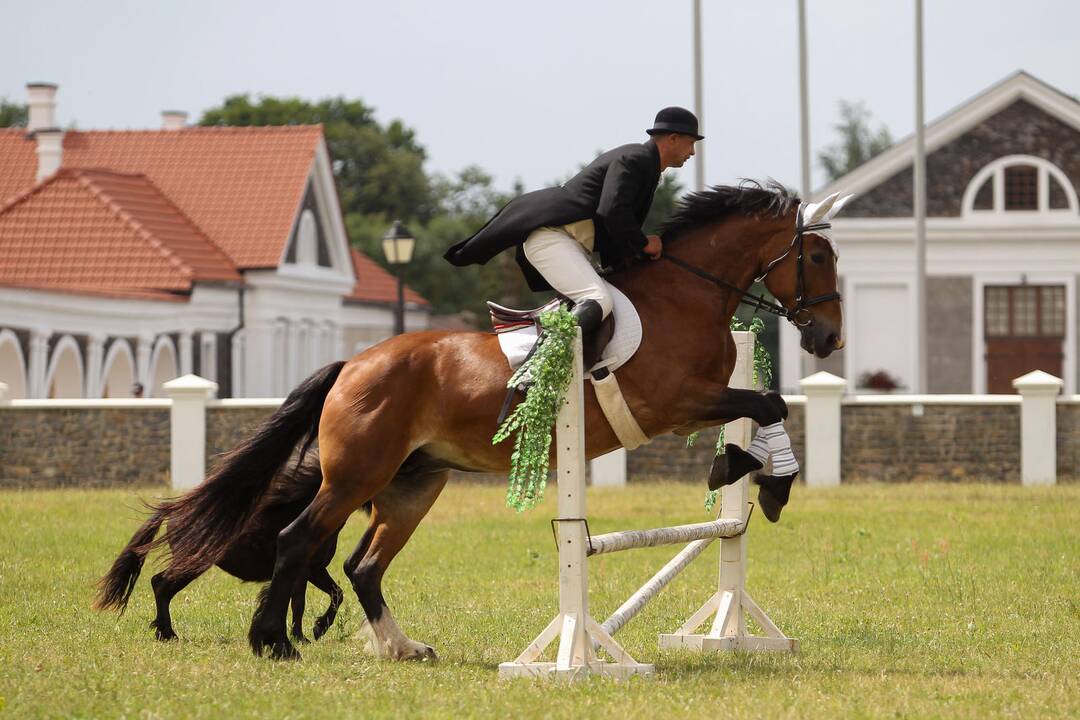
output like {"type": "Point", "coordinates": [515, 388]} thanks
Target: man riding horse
{"type": "Point", "coordinates": [599, 210]}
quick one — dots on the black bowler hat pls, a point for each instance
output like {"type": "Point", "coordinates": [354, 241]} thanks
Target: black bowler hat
{"type": "Point", "coordinates": [676, 120]}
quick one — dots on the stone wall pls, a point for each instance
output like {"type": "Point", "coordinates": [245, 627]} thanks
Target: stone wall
{"type": "Point", "coordinates": [1068, 442]}
{"type": "Point", "coordinates": [891, 443]}
{"type": "Point", "coordinates": [668, 458]}
{"type": "Point", "coordinates": [1019, 129]}
{"type": "Point", "coordinates": [87, 447]}
{"type": "Point", "coordinates": [226, 427]}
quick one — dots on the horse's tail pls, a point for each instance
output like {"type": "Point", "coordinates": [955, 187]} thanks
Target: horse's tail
{"type": "Point", "coordinates": [114, 589]}
{"type": "Point", "coordinates": [204, 522]}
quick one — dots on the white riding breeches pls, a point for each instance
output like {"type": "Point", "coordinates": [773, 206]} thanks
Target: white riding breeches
{"type": "Point", "coordinates": [565, 264]}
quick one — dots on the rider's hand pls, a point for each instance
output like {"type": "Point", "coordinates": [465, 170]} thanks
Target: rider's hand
{"type": "Point", "coordinates": [653, 247]}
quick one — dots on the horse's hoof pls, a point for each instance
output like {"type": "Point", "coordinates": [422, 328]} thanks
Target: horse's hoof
{"type": "Point", "coordinates": [731, 466]}
{"type": "Point", "coordinates": [415, 652]}
{"type": "Point", "coordinates": [166, 636]}
{"type": "Point", "coordinates": [284, 651]}
{"type": "Point", "coordinates": [321, 626]}
{"type": "Point", "coordinates": [773, 494]}
{"type": "Point", "coordinates": [298, 636]}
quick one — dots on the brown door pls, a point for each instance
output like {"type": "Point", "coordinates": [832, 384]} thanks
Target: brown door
{"type": "Point", "coordinates": [1025, 331]}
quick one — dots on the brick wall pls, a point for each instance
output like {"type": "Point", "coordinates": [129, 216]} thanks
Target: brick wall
{"type": "Point", "coordinates": [87, 447]}
{"type": "Point", "coordinates": [1068, 443]}
{"type": "Point", "coordinates": [949, 442]}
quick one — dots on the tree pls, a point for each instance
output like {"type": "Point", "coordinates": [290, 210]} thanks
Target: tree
{"type": "Point", "coordinates": [663, 204]}
{"type": "Point", "coordinates": [12, 114]}
{"type": "Point", "coordinates": [379, 170]}
{"type": "Point", "coordinates": [858, 142]}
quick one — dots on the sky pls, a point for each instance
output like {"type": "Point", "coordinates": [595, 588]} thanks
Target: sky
{"type": "Point", "coordinates": [531, 91]}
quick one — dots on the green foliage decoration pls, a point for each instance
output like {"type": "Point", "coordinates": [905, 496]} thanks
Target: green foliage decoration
{"type": "Point", "coordinates": [549, 370]}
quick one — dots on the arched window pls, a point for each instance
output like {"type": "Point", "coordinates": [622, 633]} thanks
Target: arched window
{"type": "Point", "coordinates": [1021, 184]}
{"type": "Point", "coordinates": [12, 364]}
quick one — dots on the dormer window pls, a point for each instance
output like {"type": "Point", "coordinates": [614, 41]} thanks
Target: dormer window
{"type": "Point", "coordinates": [1021, 184]}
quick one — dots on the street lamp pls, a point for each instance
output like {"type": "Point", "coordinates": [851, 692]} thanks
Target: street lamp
{"type": "Point", "coordinates": [398, 246]}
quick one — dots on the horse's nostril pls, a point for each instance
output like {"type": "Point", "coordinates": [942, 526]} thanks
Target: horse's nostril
{"type": "Point", "coordinates": [832, 340]}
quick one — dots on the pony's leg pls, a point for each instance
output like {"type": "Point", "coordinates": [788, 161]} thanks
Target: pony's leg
{"type": "Point", "coordinates": [164, 591]}
{"type": "Point", "coordinates": [321, 579]}
{"type": "Point", "coordinates": [353, 472]}
{"type": "Point", "coordinates": [396, 512]}
{"type": "Point", "coordinates": [299, 601]}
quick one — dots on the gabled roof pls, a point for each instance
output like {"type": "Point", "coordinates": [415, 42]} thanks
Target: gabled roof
{"type": "Point", "coordinates": [241, 185]}
{"type": "Point", "coordinates": [957, 121]}
{"type": "Point", "coordinates": [375, 285]}
{"type": "Point", "coordinates": [98, 231]}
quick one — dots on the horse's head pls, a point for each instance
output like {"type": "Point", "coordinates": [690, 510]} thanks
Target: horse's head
{"type": "Point", "coordinates": [798, 263]}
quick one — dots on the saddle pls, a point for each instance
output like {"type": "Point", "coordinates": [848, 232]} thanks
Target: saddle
{"type": "Point", "coordinates": [504, 320]}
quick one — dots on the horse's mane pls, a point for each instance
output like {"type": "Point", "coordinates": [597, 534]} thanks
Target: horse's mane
{"type": "Point", "coordinates": [749, 197]}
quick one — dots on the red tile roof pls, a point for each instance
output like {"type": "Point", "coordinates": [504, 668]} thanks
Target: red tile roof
{"type": "Point", "coordinates": [241, 185]}
{"type": "Point", "coordinates": [375, 285]}
{"type": "Point", "coordinates": [95, 230]}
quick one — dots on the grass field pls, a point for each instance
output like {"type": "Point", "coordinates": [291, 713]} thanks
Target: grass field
{"type": "Point", "coordinates": [910, 601]}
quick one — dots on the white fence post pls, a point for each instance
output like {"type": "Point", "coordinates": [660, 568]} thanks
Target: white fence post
{"type": "Point", "coordinates": [187, 418]}
{"type": "Point", "coordinates": [5, 398]}
{"type": "Point", "coordinates": [609, 470]}
{"type": "Point", "coordinates": [823, 425]}
{"type": "Point", "coordinates": [1038, 427]}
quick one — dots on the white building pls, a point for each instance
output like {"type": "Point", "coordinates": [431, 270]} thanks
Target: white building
{"type": "Point", "coordinates": [139, 255]}
{"type": "Point", "coordinates": [1003, 249]}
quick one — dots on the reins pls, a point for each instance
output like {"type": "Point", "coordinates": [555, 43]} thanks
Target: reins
{"type": "Point", "coordinates": [798, 315]}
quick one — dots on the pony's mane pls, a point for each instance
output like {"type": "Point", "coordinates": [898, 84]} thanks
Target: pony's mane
{"type": "Point", "coordinates": [749, 198]}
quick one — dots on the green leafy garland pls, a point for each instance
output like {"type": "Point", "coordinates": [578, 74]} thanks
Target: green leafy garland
{"type": "Point", "coordinates": [763, 374]}
{"type": "Point", "coordinates": [549, 369]}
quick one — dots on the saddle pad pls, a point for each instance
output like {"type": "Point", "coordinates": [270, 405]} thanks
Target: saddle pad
{"type": "Point", "coordinates": [624, 343]}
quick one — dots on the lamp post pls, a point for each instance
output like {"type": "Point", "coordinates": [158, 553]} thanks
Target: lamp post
{"type": "Point", "coordinates": [398, 246]}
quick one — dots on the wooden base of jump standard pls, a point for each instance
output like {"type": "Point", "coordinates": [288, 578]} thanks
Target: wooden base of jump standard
{"type": "Point", "coordinates": [729, 628]}
{"type": "Point", "coordinates": [576, 659]}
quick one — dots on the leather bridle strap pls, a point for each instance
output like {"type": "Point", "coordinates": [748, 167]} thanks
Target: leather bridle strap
{"type": "Point", "coordinates": [797, 315]}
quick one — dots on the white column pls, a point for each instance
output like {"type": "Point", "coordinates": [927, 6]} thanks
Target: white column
{"type": "Point", "coordinates": [208, 356]}
{"type": "Point", "coordinates": [1038, 427]}
{"type": "Point", "coordinates": [188, 429]}
{"type": "Point", "coordinates": [39, 358]}
{"type": "Point", "coordinates": [95, 358]}
{"type": "Point", "coordinates": [142, 361]}
{"type": "Point", "coordinates": [5, 396]}
{"type": "Point", "coordinates": [295, 357]}
{"type": "Point", "coordinates": [277, 360]}
{"type": "Point", "coordinates": [609, 470]}
{"type": "Point", "coordinates": [185, 350]}
{"type": "Point", "coordinates": [238, 350]}
{"type": "Point", "coordinates": [823, 427]}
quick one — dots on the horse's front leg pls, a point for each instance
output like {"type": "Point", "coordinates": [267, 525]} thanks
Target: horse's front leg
{"type": "Point", "coordinates": [716, 405]}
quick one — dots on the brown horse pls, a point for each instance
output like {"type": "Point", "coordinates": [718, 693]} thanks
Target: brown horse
{"type": "Point", "coordinates": [393, 420]}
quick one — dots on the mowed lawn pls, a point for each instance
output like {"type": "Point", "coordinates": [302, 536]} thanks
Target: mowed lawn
{"type": "Point", "coordinates": [958, 601]}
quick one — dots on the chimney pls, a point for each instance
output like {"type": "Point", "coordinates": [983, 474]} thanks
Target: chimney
{"type": "Point", "coordinates": [173, 119]}
{"type": "Point", "coordinates": [42, 104]}
{"type": "Point", "coordinates": [50, 151]}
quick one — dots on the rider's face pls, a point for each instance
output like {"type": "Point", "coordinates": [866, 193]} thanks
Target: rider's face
{"type": "Point", "coordinates": [682, 149]}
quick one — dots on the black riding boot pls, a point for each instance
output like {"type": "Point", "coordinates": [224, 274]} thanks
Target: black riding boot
{"type": "Point", "coordinates": [590, 316]}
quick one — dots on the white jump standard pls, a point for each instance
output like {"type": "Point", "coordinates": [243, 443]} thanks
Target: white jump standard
{"type": "Point", "coordinates": [580, 636]}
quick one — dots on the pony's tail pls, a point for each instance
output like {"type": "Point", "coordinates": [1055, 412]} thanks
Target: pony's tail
{"type": "Point", "coordinates": [205, 521]}
{"type": "Point", "coordinates": [114, 589]}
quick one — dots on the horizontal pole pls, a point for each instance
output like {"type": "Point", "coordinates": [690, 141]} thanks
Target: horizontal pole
{"type": "Point", "coordinates": [636, 602]}
{"type": "Point", "coordinates": [628, 539]}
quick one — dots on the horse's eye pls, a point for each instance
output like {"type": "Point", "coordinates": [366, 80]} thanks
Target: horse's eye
{"type": "Point", "coordinates": [817, 258]}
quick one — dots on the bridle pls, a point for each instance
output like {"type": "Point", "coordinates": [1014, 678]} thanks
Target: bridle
{"type": "Point", "coordinates": [799, 315]}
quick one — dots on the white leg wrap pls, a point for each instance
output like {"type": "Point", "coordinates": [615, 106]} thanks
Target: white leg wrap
{"type": "Point", "coordinates": [784, 462]}
{"type": "Point", "coordinates": [759, 448]}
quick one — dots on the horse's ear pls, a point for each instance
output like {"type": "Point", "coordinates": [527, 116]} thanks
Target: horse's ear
{"type": "Point", "coordinates": [814, 212]}
{"type": "Point", "coordinates": [837, 207]}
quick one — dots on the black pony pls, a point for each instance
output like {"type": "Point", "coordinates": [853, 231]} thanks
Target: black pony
{"type": "Point", "coordinates": [250, 557]}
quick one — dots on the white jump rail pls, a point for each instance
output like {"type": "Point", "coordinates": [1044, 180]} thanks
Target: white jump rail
{"type": "Point", "coordinates": [580, 636]}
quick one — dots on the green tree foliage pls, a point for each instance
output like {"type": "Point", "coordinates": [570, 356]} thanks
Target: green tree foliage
{"type": "Point", "coordinates": [379, 169]}
{"type": "Point", "coordinates": [858, 142]}
{"type": "Point", "coordinates": [12, 114]}
{"type": "Point", "coordinates": [663, 204]}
